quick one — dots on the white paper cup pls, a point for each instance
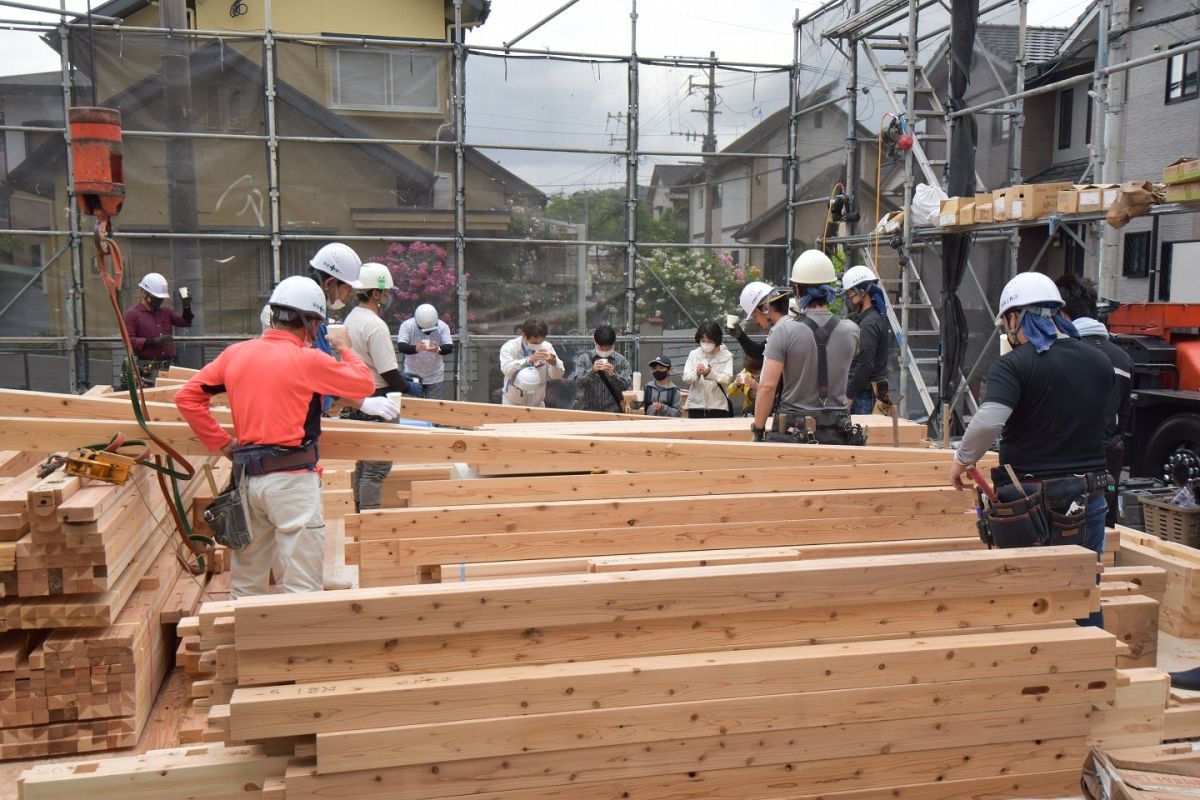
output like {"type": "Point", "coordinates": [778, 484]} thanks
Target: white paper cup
{"type": "Point", "coordinates": [731, 320]}
{"type": "Point", "coordinates": [426, 342]}
{"type": "Point", "coordinates": [637, 383]}
{"type": "Point", "coordinates": [395, 397]}
{"type": "Point", "coordinates": [334, 327]}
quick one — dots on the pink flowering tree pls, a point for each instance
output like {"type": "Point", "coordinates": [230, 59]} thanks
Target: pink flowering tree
{"type": "Point", "coordinates": [422, 275]}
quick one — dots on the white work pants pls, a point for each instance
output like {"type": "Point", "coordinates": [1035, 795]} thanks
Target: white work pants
{"type": "Point", "coordinates": [287, 524]}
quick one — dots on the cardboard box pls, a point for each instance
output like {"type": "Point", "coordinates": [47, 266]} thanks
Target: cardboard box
{"type": "Point", "coordinates": [1068, 200]}
{"type": "Point", "coordinates": [956, 212]}
{"type": "Point", "coordinates": [1097, 196]}
{"type": "Point", "coordinates": [1184, 192]}
{"type": "Point", "coordinates": [1182, 171]}
{"type": "Point", "coordinates": [1000, 205]}
{"type": "Point", "coordinates": [983, 211]}
{"type": "Point", "coordinates": [1033, 200]}
{"type": "Point", "coordinates": [1165, 772]}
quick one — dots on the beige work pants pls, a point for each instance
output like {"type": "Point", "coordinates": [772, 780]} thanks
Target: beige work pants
{"type": "Point", "coordinates": [287, 523]}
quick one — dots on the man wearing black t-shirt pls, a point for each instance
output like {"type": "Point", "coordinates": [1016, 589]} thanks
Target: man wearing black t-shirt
{"type": "Point", "coordinates": [1048, 400]}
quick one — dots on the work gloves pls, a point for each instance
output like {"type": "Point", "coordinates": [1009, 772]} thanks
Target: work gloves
{"type": "Point", "coordinates": [380, 407]}
{"type": "Point", "coordinates": [159, 341]}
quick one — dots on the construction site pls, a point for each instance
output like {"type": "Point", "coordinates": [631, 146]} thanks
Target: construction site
{"type": "Point", "coordinates": [563, 603]}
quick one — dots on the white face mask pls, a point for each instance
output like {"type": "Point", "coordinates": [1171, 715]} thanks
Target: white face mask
{"type": "Point", "coordinates": [337, 304]}
{"type": "Point", "coordinates": [605, 353]}
{"type": "Point", "coordinates": [707, 347]}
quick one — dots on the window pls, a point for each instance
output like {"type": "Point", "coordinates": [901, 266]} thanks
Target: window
{"type": "Point", "coordinates": [1091, 105]}
{"type": "Point", "coordinates": [819, 119]}
{"type": "Point", "coordinates": [1137, 255]}
{"type": "Point", "coordinates": [716, 195]}
{"type": "Point", "coordinates": [1066, 104]}
{"type": "Point", "coordinates": [228, 108]}
{"type": "Point", "coordinates": [385, 80]}
{"type": "Point", "coordinates": [1001, 126]}
{"type": "Point", "coordinates": [1183, 77]}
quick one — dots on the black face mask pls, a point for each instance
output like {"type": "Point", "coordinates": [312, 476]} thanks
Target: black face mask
{"type": "Point", "coordinates": [661, 375]}
{"type": "Point", "coordinates": [155, 302]}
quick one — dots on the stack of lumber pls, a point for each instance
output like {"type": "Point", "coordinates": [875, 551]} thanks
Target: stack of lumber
{"type": "Point", "coordinates": [89, 585]}
{"type": "Point", "coordinates": [1181, 596]}
{"type": "Point", "coordinates": [938, 675]}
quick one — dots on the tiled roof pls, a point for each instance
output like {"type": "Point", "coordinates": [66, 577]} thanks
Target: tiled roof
{"type": "Point", "coordinates": [1041, 44]}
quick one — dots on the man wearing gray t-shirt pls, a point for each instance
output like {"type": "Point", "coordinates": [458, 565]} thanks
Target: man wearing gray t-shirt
{"type": "Point", "coordinates": [793, 359]}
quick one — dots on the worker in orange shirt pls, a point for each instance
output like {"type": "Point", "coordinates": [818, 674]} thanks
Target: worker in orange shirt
{"type": "Point", "coordinates": [274, 385]}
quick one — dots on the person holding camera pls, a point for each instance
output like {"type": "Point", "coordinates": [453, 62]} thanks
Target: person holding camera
{"type": "Point", "coordinates": [601, 374]}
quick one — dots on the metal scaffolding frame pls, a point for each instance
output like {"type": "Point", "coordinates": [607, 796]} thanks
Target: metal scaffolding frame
{"type": "Point", "coordinates": [76, 340]}
{"type": "Point", "coordinates": [851, 32]}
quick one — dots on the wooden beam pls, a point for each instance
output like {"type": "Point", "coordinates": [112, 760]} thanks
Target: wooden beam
{"type": "Point", "coordinates": [364, 440]}
{"type": "Point", "coordinates": [473, 415]}
{"type": "Point", "coordinates": [443, 609]}
{"type": "Point", "coordinates": [548, 488]}
{"type": "Point", "coordinates": [696, 768]}
{"type": "Point", "coordinates": [520, 690]}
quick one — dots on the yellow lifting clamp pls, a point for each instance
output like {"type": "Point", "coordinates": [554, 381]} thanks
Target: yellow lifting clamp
{"type": "Point", "coordinates": [99, 465]}
{"type": "Point", "coordinates": [99, 462]}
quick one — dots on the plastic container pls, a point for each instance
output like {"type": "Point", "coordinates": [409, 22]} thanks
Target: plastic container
{"type": "Point", "coordinates": [1172, 523]}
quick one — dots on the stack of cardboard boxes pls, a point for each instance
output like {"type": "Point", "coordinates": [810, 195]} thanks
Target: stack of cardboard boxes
{"type": "Point", "coordinates": [1183, 181]}
{"type": "Point", "coordinates": [1087, 198]}
{"type": "Point", "coordinates": [1026, 202]}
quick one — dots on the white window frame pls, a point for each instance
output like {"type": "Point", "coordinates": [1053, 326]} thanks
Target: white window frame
{"type": "Point", "coordinates": [393, 55]}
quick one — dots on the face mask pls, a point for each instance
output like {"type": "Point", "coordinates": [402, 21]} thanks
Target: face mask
{"type": "Point", "coordinates": [337, 305]}
{"type": "Point", "coordinates": [428, 331]}
{"type": "Point", "coordinates": [661, 374]}
{"type": "Point", "coordinates": [707, 347]}
{"type": "Point", "coordinates": [605, 353]}
{"type": "Point", "coordinates": [155, 303]}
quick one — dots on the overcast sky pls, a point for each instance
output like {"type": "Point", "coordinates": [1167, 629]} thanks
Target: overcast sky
{"type": "Point", "coordinates": [583, 105]}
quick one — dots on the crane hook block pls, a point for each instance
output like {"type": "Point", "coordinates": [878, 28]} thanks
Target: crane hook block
{"type": "Point", "coordinates": [96, 152]}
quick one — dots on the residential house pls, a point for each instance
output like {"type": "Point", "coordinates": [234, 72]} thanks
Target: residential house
{"type": "Point", "coordinates": [748, 196]}
{"type": "Point", "coordinates": [670, 188]}
{"type": "Point", "coordinates": [326, 188]}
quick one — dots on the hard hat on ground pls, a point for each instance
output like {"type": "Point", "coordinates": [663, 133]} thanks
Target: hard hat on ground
{"type": "Point", "coordinates": [813, 267]}
{"type": "Point", "coordinates": [373, 276]}
{"type": "Point", "coordinates": [301, 295]}
{"type": "Point", "coordinates": [155, 284]}
{"type": "Point", "coordinates": [337, 260]}
{"type": "Point", "coordinates": [1027, 289]}
{"type": "Point", "coordinates": [425, 316]}
{"type": "Point", "coordinates": [753, 296]}
{"type": "Point", "coordinates": [856, 276]}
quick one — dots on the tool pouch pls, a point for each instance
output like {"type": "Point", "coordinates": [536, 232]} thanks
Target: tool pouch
{"type": "Point", "coordinates": [838, 428]}
{"type": "Point", "coordinates": [1017, 521]}
{"type": "Point", "coordinates": [1065, 507]}
{"type": "Point", "coordinates": [227, 516]}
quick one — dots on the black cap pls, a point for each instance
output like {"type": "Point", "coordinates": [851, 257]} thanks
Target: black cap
{"type": "Point", "coordinates": [664, 360]}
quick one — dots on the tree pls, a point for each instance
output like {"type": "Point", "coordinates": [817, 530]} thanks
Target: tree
{"type": "Point", "coordinates": [603, 210]}
{"type": "Point", "coordinates": [421, 275]}
{"type": "Point", "coordinates": [704, 283]}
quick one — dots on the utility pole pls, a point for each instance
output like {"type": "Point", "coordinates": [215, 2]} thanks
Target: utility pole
{"type": "Point", "coordinates": [710, 140]}
{"type": "Point", "coordinates": [181, 166]}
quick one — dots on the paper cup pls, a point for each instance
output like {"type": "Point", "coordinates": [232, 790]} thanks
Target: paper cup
{"type": "Point", "coordinates": [637, 383]}
{"type": "Point", "coordinates": [395, 397]}
{"type": "Point", "coordinates": [426, 342]}
{"type": "Point", "coordinates": [731, 320]}
{"type": "Point", "coordinates": [334, 327]}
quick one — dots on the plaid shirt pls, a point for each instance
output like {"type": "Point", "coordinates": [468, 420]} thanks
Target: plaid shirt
{"type": "Point", "coordinates": [593, 394]}
{"type": "Point", "coordinates": [145, 324]}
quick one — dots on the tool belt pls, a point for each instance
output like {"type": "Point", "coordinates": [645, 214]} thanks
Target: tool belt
{"type": "Point", "coordinates": [820, 427]}
{"type": "Point", "coordinates": [883, 398]}
{"type": "Point", "coordinates": [1040, 512]}
{"type": "Point", "coordinates": [227, 514]}
{"type": "Point", "coordinates": [267, 458]}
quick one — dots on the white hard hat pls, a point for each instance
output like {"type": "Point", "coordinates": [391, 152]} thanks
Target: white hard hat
{"type": "Point", "coordinates": [528, 378]}
{"type": "Point", "coordinates": [857, 275]}
{"type": "Point", "coordinates": [813, 267]}
{"type": "Point", "coordinates": [373, 276]}
{"type": "Point", "coordinates": [155, 284]}
{"type": "Point", "coordinates": [1028, 288]}
{"type": "Point", "coordinates": [794, 307]}
{"type": "Point", "coordinates": [425, 316]}
{"type": "Point", "coordinates": [301, 294]}
{"type": "Point", "coordinates": [338, 260]}
{"type": "Point", "coordinates": [753, 296]}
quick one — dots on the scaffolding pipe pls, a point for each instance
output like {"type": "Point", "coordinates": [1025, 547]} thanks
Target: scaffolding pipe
{"type": "Point", "coordinates": [851, 188]}
{"type": "Point", "coordinates": [906, 265]}
{"type": "Point", "coordinates": [272, 145]}
{"type": "Point", "coordinates": [460, 199]}
{"type": "Point", "coordinates": [61, 11]}
{"type": "Point", "coordinates": [631, 175]}
{"type": "Point", "coordinates": [793, 140]}
{"type": "Point", "coordinates": [1133, 63]}
{"type": "Point", "coordinates": [1112, 141]}
{"type": "Point", "coordinates": [77, 365]}
{"type": "Point", "coordinates": [508, 45]}
{"type": "Point", "coordinates": [1016, 129]}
